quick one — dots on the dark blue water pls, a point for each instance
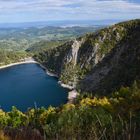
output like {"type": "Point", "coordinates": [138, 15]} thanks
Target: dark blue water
{"type": "Point", "coordinates": [25, 85]}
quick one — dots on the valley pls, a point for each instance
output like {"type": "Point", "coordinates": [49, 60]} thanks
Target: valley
{"type": "Point", "coordinates": [103, 67]}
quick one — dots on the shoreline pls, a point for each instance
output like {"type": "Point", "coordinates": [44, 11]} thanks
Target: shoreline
{"type": "Point", "coordinates": [48, 72]}
{"type": "Point", "coordinates": [72, 94]}
{"type": "Point", "coordinates": [66, 86]}
{"type": "Point", "coordinates": [25, 61]}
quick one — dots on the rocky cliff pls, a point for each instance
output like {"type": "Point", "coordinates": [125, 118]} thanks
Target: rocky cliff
{"type": "Point", "coordinates": [98, 62]}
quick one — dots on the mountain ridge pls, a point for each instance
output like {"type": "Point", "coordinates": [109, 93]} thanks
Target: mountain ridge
{"type": "Point", "coordinates": [83, 63]}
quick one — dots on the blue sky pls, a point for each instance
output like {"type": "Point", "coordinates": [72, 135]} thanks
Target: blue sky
{"type": "Point", "coordinates": [46, 10]}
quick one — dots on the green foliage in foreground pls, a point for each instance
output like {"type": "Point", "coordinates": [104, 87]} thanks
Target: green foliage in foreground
{"type": "Point", "coordinates": [89, 118]}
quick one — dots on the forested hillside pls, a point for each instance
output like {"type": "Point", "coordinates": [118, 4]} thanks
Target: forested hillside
{"type": "Point", "coordinates": [98, 62]}
{"type": "Point", "coordinates": [18, 43]}
{"type": "Point", "coordinates": [8, 57]}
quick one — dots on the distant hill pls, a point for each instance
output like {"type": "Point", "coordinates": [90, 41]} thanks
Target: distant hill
{"type": "Point", "coordinates": [23, 38]}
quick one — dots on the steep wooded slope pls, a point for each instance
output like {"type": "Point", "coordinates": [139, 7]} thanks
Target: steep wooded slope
{"type": "Point", "coordinates": [98, 62]}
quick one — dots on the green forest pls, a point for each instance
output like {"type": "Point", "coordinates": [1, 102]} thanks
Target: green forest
{"type": "Point", "coordinates": [8, 57]}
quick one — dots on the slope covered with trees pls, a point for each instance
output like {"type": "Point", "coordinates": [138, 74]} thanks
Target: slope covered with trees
{"type": "Point", "coordinates": [8, 57]}
{"type": "Point", "coordinates": [99, 62]}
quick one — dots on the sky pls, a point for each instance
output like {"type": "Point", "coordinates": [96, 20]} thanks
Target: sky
{"type": "Point", "coordinates": [50, 10]}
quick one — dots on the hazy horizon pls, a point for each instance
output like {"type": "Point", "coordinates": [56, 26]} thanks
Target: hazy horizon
{"type": "Point", "coordinates": [60, 23]}
{"type": "Point", "coordinates": [21, 11]}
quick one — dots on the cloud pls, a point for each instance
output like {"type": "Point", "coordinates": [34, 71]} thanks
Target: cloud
{"type": "Point", "coordinates": [20, 10]}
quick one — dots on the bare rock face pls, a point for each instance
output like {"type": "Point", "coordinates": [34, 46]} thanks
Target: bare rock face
{"type": "Point", "coordinates": [120, 67]}
{"type": "Point", "coordinates": [73, 53]}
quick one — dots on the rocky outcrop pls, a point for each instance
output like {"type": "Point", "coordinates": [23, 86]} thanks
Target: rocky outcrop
{"type": "Point", "coordinates": [120, 67]}
{"type": "Point", "coordinates": [73, 53]}
{"type": "Point", "coordinates": [95, 62]}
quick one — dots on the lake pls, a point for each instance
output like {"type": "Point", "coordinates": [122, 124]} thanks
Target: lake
{"type": "Point", "coordinates": [27, 85]}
